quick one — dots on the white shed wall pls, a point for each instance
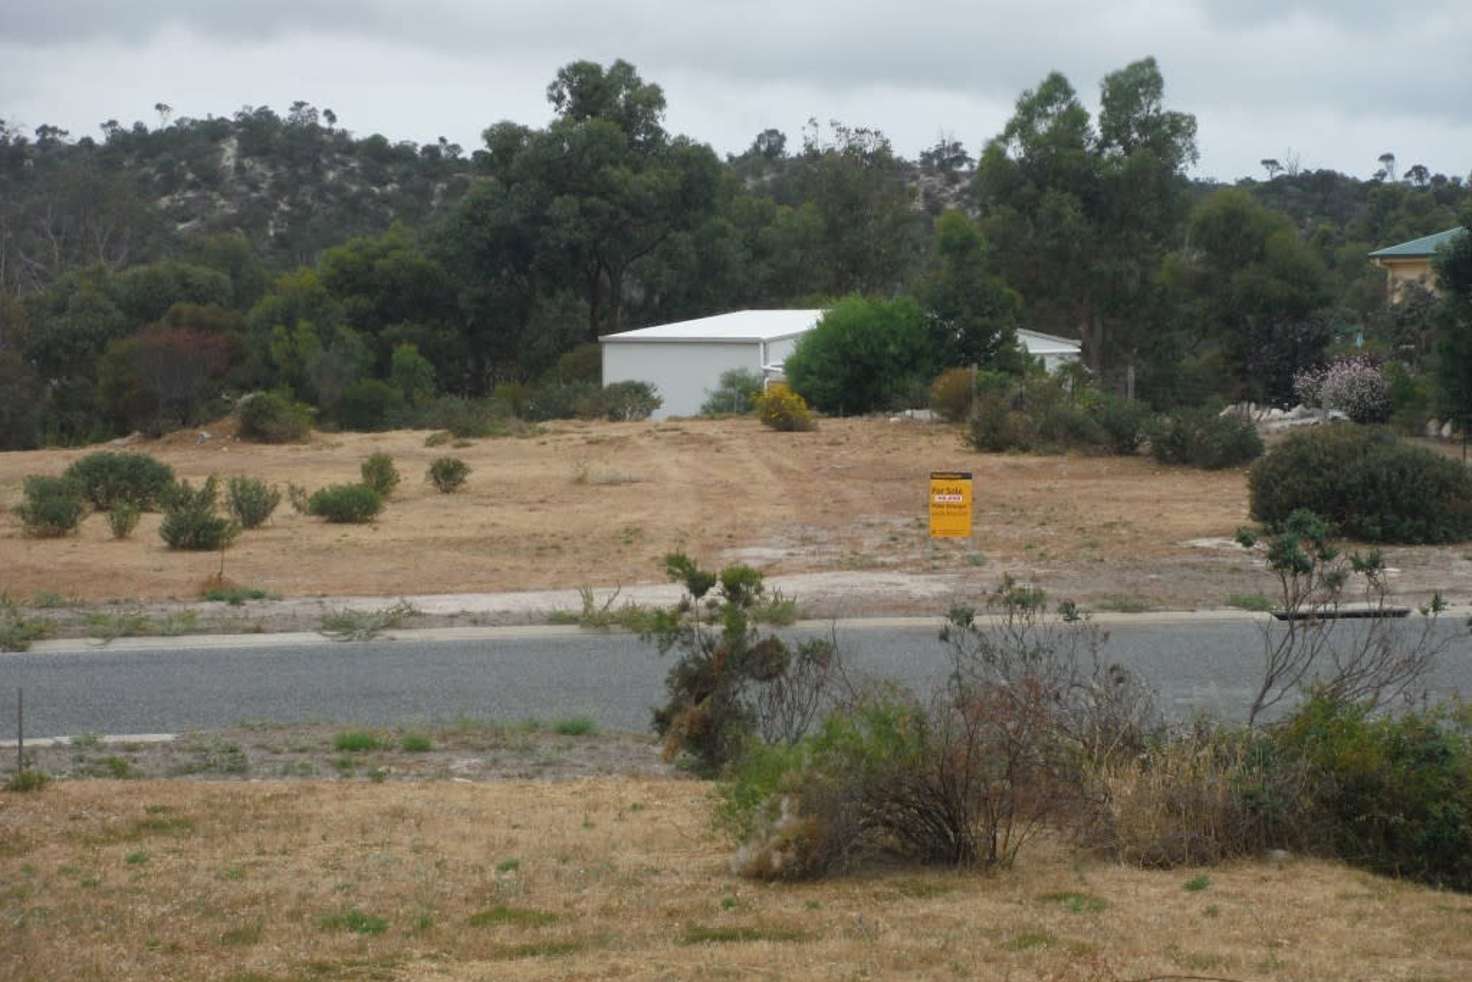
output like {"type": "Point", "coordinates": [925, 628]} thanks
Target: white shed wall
{"type": "Point", "coordinates": [684, 372]}
{"type": "Point", "coordinates": [779, 350]}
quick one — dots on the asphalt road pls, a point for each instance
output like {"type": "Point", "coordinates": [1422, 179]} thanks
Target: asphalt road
{"type": "Point", "coordinates": [1208, 666]}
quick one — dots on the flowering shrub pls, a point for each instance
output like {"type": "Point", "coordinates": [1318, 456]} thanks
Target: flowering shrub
{"type": "Point", "coordinates": [1355, 386]}
{"type": "Point", "coordinates": [782, 409]}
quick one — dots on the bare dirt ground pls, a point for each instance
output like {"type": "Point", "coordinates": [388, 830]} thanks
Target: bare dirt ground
{"type": "Point", "coordinates": [840, 511]}
{"type": "Point", "coordinates": [610, 877]}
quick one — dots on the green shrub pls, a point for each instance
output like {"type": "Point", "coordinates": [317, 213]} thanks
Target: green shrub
{"type": "Point", "coordinates": [736, 394]}
{"type": "Point", "coordinates": [1124, 422]}
{"type": "Point", "coordinates": [53, 507]}
{"type": "Point", "coordinates": [563, 400]}
{"type": "Point", "coordinates": [122, 519]}
{"type": "Point", "coordinates": [464, 419]}
{"type": "Point", "coordinates": [270, 417]}
{"type": "Point", "coordinates": [369, 406]}
{"type": "Point", "coordinates": [952, 393]}
{"type": "Point", "coordinates": [108, 477]}
{"type": "Point", "coordinates": [346, 503]}
{"type": "Point", "coordinates": [448, 473]}
{"type": "Point", "coordinates": [782, 409]}
{"type": "Point", "coordinates": [1202, 438]}
{"type": "Point", "coordinates": [1370, 484]}
{"type": "Point", "coordinates": [251, 500]}
{"type": "Point", "coordinates": [380, 474]}
{"type": "Point", "coordinates": [864, 355]}
{"type": "Point", "coordinates": [1066, 425]}
{"type": "Point", "coordinates": [1395, 791]}
{"type": "Point", "coordinates": [996, 427]}
{"type": "Point", "coordinates": [624, 401]}
{"type": "Point", "coordinates": [190, 522]}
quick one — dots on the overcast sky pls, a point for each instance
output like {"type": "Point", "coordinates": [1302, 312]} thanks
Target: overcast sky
{"type": "Point", "coordinates": [1335, 82]}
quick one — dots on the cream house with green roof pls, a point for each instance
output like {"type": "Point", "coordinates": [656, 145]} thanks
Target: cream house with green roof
{"type": "Point", "coordinates": [1410, 262]}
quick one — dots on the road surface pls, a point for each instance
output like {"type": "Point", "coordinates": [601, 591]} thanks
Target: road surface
{"type": "Point", "coordinates": [515, 674]}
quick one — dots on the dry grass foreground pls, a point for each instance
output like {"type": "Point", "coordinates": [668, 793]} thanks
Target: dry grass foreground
{"type": "Point", "coordinates": [600, 503]}
{"type": "Point", "coordinates": [622, 878]}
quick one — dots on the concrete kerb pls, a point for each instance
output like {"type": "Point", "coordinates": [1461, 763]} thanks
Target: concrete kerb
{"type": "Point", "coordinates": [285, 639]}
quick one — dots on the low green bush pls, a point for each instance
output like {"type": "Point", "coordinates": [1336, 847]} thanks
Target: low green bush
{"type": "Point", "coordinates": [623, 401]}
{"type": "Point", "coordinates": [564, 400]}
{"type": "Point", "coordinates": [346, 503]}
{"type": "Point", "coordinates": [1395, 792]}
{"type": "Point", "coordinates": [109, 477]}
{"type": "Point", "coordinates": [370, 406]}
{"type": "Point", "coordinates": [270, 417]}
{"type": "Point", "coordinates": [122, 519]}
{"type": "Point", "coordinates": [251, 501]}
{"type": "Point", "coordinates": [380, 474]}
{"type": "Point", "coordinates": [447, 474]}
{"type": "Point", "coordinates": [735, 395]}
{"type": "Point", "coordinates": [190, 522]}
{"type": "Point", "coordinates": [53, 507]}
{"type": "Point", "coordinates": [1205, 439]}
{"type": "Point", "coordinates": [996, 427]}
{"type": "Point", "coordinates": [1124, 422]}
{"type": "Point", "coordinates": [1372, 485]}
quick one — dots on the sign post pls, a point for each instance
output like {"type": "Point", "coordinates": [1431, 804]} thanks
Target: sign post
{"type": "Point", "coordinates": [950, 504]}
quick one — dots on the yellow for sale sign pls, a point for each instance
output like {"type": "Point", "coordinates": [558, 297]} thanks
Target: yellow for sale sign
{"type": "Point", "coordinates": [950, 504]}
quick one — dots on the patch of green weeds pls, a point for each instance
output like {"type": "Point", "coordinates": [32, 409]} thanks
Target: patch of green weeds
{"type": "Point", "coordinates": [415, 743]}
{"type": "Point", "coordinates": [244, 935]}
{"type": "Point", "coordinates": [1075, 902]}
{"type": "Point", "coordinates": [508, 865]}
{"type": "Point", "coordinates": [215, 756]}
{"type": "Point", "coordinates": [106, 626]}
{"type": "Point", "coordinates": [138, 858]}
{"type": "Point", "coordinates": [364, 625]}
{"type": "Point", "coordinates": [1030, 940]}
{"type": "Point", "coordinates": [355, 921]}
{"type": "Point", "coordinates": [1118, 603]}
{"type": "Point", "coordinates": [539, 949]}
{"type": "Point", "coordinates": [515, 916]}
{"type": "Point", "coordinates": [28, 780]}
{"type": "Point", "coordinates": [17, 631]}
{"type": "Point", "coordinates": [113, 766]}
{"type": "Point", "coordinates": [233, 873]}
{"type": "Point", "coordinates": [922, 889]}
{"type": "Point", "coordinates": [236, 596]}
{"type": "Point", "coordinates": [1250, 601]}
{"type": "Point", "coordinates": [357, 742]}
{"type": "Point", "coordinates": [377, 775]}
{"type": "Point", "coordinates": [604, 615]}
{"type": "Point", "coordinates": [85, 741]}
{"type": "Point", "coordinates": [179, 622]}
{"type": "Point", "coordinates": [575, 726]}
{"type": "Point", "coordinates": [49, 600]}
{"type": "Point", "coordinates": [700, 934]}
{"type": "Point", "coordinates": [1198, 883]}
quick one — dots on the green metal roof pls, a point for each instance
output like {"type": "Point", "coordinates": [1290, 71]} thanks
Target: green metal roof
{"type": "Point", "coordinates": [1426, 245]}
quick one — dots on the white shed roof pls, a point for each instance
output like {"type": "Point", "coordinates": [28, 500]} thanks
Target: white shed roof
{"type": "Point", "coordinates": [1038, 343]}
{"type": "Point", "coordinates": [772, 325]}
{"type": "Point", "coordinates": [739, 325]}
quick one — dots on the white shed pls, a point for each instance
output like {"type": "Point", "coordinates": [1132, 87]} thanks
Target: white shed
{"type": "Point", "coordinates": [685, 361]}
{"type": "Point", "coordinates": [1053, 350]}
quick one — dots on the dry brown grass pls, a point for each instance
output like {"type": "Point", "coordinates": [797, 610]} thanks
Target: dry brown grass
{"type": "Point", "coordinates": [622, 878]}
{"type": "Point", "coordinates": [851, 495]}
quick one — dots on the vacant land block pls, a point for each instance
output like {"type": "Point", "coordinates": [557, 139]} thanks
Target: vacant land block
{"type": "Point", "coordinates": [599, 503]}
